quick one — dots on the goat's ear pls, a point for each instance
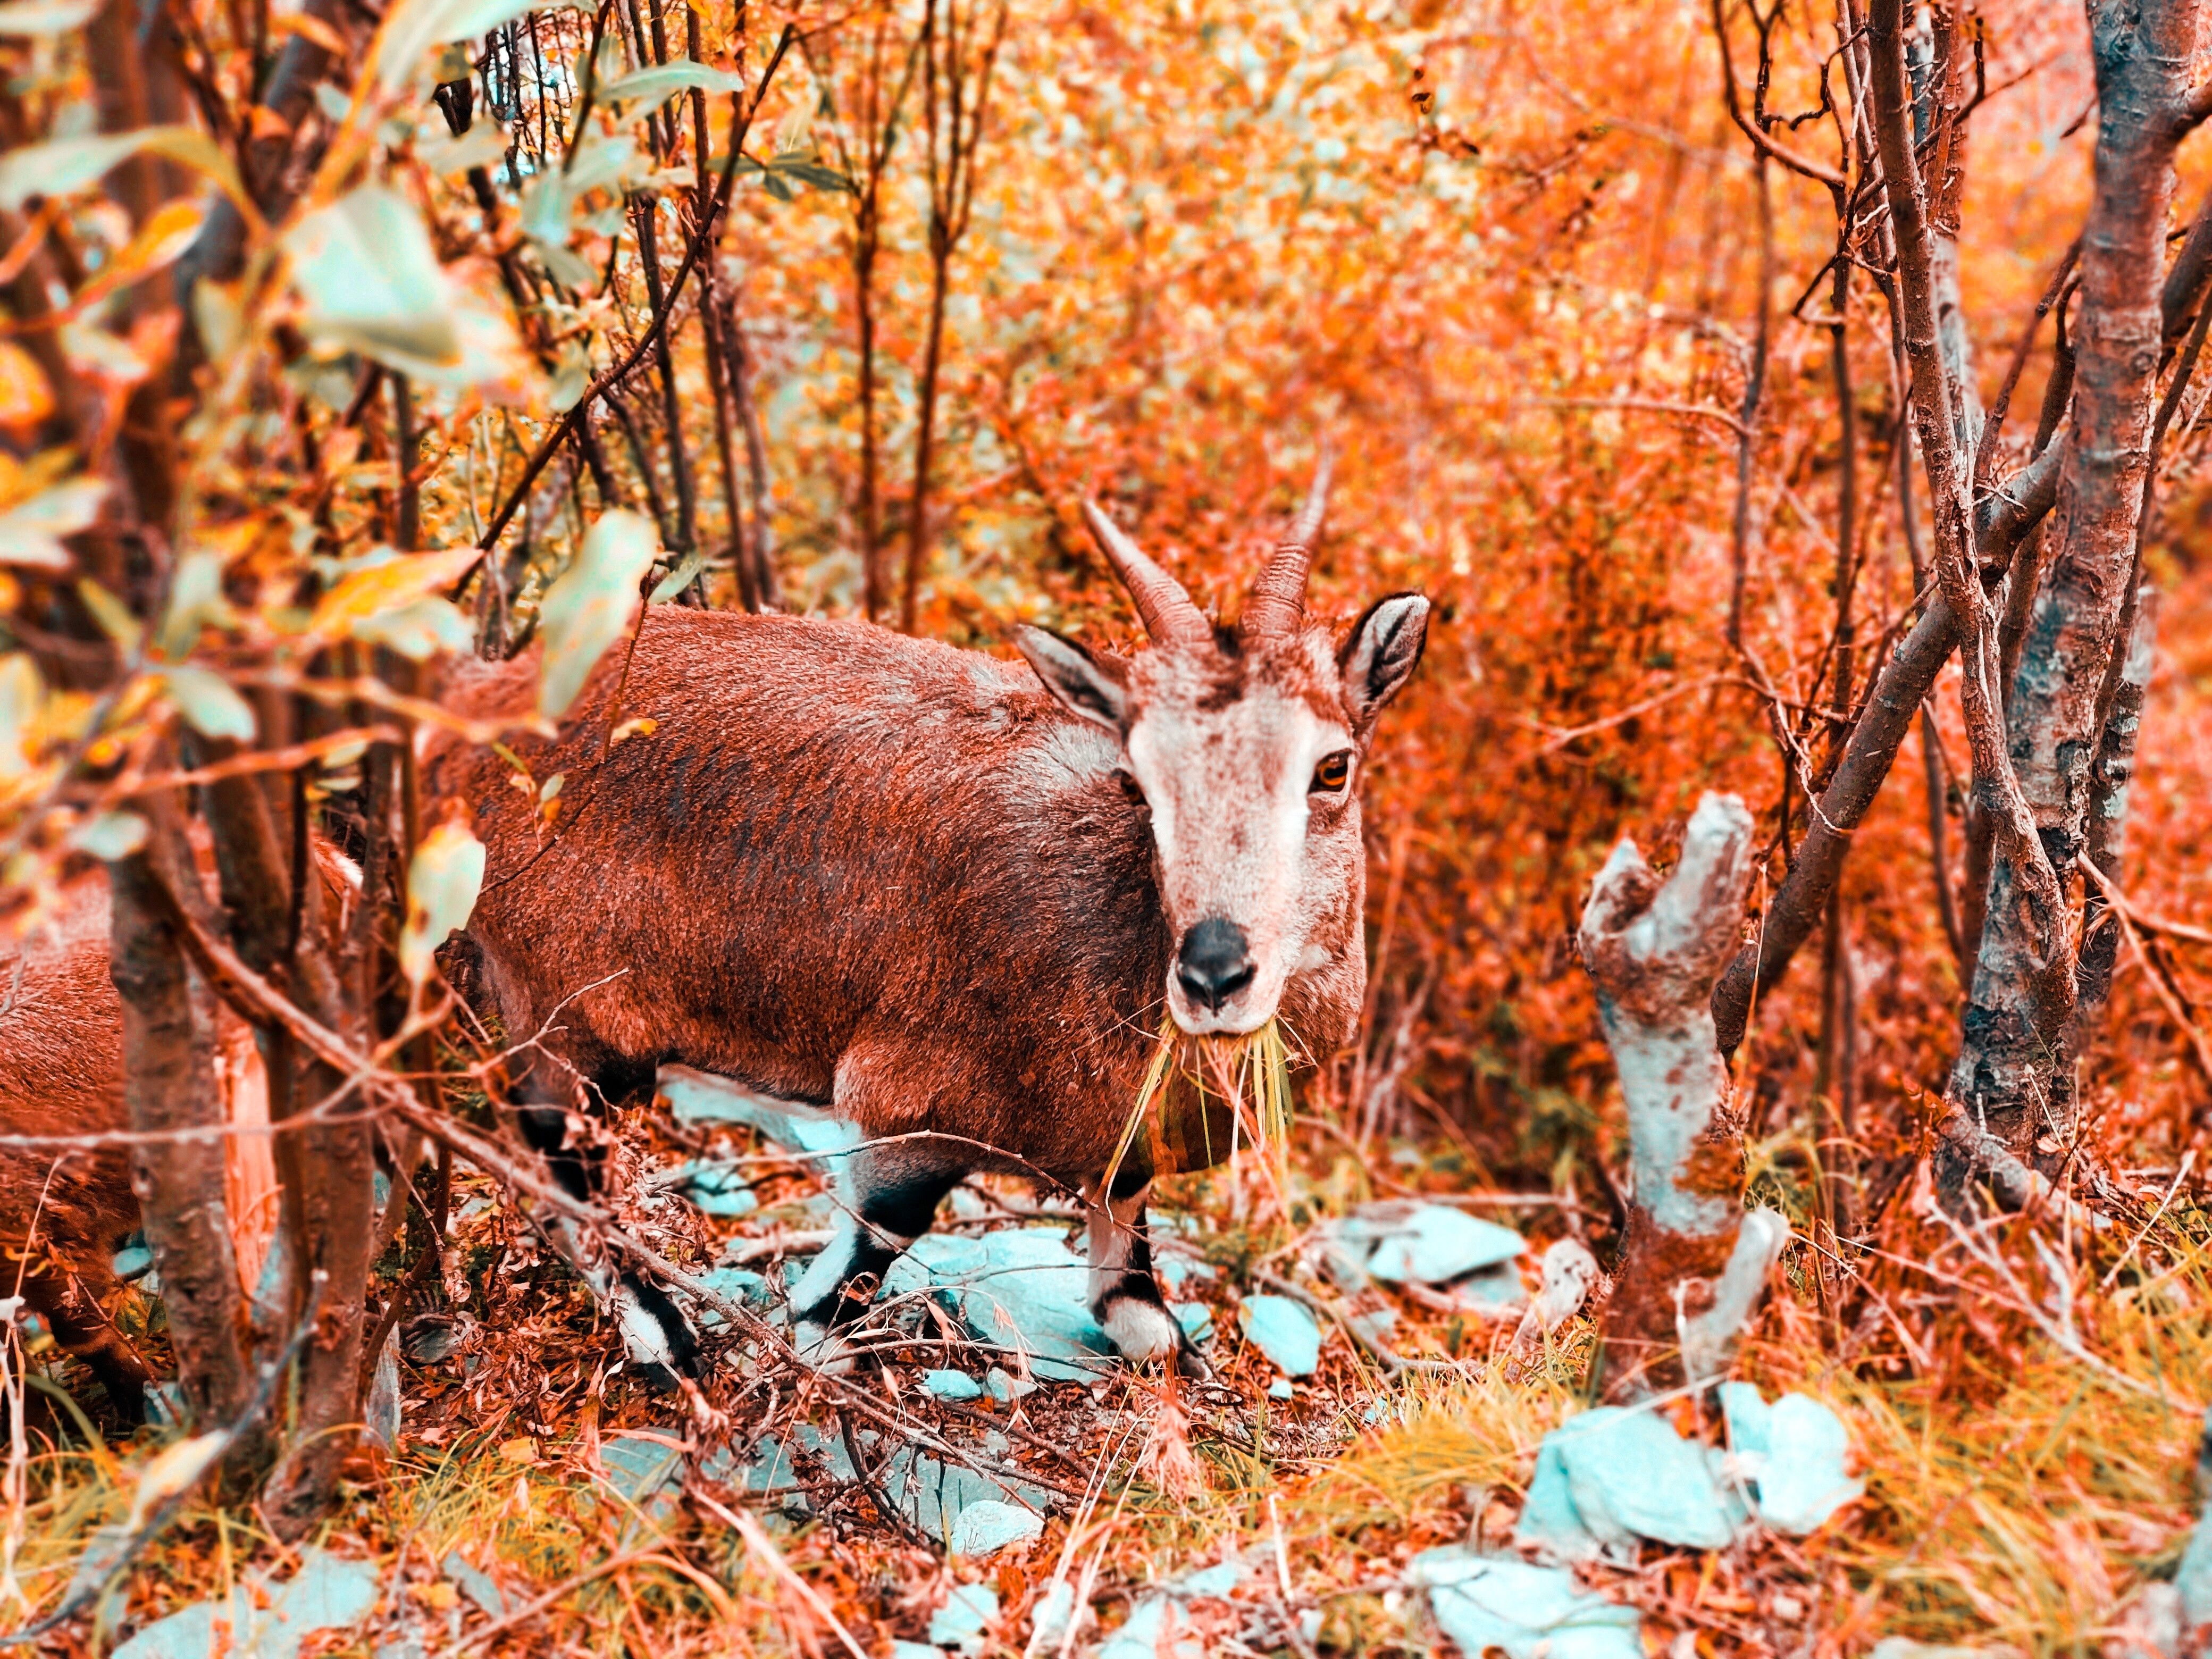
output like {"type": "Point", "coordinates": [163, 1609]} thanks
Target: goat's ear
{"type": "Point", "coordinates": [1095, 688]}
{"type": "Point", "coordinates": [1381, 653]}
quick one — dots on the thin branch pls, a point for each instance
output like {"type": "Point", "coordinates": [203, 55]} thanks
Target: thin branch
{"type": "Point", "coordinates": [1763, 141]}
{"type": "Point", "coordinates": [701, 233]}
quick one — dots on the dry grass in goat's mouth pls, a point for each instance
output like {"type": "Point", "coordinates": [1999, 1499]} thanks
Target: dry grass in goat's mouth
{"type": "Point", "coordinates": [1238, 1095]}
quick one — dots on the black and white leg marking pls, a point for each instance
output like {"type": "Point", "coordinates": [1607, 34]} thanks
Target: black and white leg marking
{"type": "Point", "coordinates": [659, 1335]}
{"type": "Point", "coordinates": [1125, 1296]}
{"type": "Point", "coordinates": [887, 1198]}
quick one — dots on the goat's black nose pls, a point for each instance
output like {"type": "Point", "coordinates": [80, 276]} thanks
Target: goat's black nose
{"type": "Point", "coordinates": [1214, 964]}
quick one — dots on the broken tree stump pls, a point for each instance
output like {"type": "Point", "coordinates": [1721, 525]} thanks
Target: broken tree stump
{"type": "Point", "coordinates": [1694, 1263]}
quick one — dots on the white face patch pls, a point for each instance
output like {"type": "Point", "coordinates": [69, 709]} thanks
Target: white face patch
{"type": "Point", "coordinates": [1241, 837]}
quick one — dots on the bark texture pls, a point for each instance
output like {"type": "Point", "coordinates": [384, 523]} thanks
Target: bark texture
{"type": "Point", "coordinates": [1690, 1266]}
{"type": "Point", "coordinates": [2007, 1085]}
{"type": "Point", "coordinates": [169, 1083]}
{"type": "Point", "coordinates": [325, 1168]}
{"type": "Point", "coordinates": [2110, 775]}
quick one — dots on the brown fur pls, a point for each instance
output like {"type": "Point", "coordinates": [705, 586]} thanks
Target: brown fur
{"type": "Point", "coordinates": [848, 867]}
{"type": "Point", "coordinates": [64, 1216]}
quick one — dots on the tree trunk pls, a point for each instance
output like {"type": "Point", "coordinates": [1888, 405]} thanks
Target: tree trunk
{"type": "Point", "coordinates": [2110, 775]}
{"type": "Point", "coordinates": [917, 526]}
{"type": "Point", "coordinates": [168, 1084]}
{"type": "Point", "coordinates": [326, 1171]}
{"type": "Point", "coordinates": [1692, 1263]}
{"type": "Point", "coordinates": [685, 534]}
{"type": "Point", "coordinates": [863, 299]}
{"type": "Point", "coordinates": [2005, 1083]}
{"type": "Point", "coordinates": [718, 393]}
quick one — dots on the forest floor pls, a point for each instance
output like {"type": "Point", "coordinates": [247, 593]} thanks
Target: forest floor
{"type": "Point", "coordinates": [2027, 1471]}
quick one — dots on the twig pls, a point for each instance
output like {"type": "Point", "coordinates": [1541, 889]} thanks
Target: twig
{"type": "Point", "coordinates": [2199, 1049]}
{"type": "Point", "coordinates": [1390, 1360]}
{"type": "Point", "coordinates": [1015, 1431]}
{"type": "Point", "coordinates": [2150, 924]}
{"type": "Point", "coordinates": [2136, 1243]}
{"type": "Point", "coordinates": [533, 1608]}
{"type": "Point", "coordinates": [764, 1550]}
{"type": "Point", "coordinates": [1559, 736]}
{"type": "Point", "coordinates": [1643, 405]}
{"type": "Point", "coordinates": [696, 245]}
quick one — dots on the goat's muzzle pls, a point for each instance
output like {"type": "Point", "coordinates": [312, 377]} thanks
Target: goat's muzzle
{"type": "Point", "coordinates": [1214, 964]}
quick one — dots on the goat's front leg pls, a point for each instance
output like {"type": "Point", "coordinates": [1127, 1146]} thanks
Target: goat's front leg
{"type": "Point", "coordinates": [887, 1198]}
{"type": "Point", "coordinates": [1125, 1296]}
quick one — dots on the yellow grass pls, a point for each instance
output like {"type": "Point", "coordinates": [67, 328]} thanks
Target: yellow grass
{"type": "Point", "coordinates": [1252, 1071]}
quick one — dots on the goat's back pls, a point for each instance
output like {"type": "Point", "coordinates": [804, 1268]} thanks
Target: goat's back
{"type": "Point", "coordinates": [843, 865]}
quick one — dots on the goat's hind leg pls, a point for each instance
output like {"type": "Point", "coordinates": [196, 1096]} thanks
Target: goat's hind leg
{"type": "Point", "coordinates": [1125, 1296]}
{"type": "Point", "coordinates": [71, 1304]}
{"type": "Point", "coordinates": [659, 1335]}
{"type": "Point", "coordinates": [887, 1198]}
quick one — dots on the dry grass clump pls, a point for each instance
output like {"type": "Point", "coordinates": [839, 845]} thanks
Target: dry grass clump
{"type": "Point", "coordinates": [2022, 1494]}
{"type": "Point", "coordinates": [1445, 1437]}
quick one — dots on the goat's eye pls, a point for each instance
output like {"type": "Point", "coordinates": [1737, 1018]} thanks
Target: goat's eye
{"type": "Point", "coordinates": [1334, 772]}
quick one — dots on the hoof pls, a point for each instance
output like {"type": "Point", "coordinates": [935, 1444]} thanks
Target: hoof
{"type": "Point", "coordinates": [1140, 1330]}
{"type": "Point", "coordinates": [655, 1335]}
{"type": "Point", "coordinates": [821, 1349]}
{"type": "Point", "coordinates": [1190, 1364]}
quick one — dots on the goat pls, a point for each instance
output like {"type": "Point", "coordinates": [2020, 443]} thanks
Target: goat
{"type": "Point", "coordinates": [941, 895]}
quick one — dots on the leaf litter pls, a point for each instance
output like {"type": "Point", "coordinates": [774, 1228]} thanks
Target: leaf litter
{"type": "Point", "coordinates": [538, 1484]}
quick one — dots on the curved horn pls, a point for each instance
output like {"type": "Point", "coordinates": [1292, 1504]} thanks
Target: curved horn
{"type": "Point", "coordinates": [1278, 600]}
{"type": "Point", "coordinates": [1161, 601]}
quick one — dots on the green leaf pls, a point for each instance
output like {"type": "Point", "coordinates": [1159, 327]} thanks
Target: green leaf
{"type": "Point", "coordinates": [22, 696]}
{"type": "Point", "coordinates": [111, 836]}
{"type": "Point", "coordinates": [412, 27]}
{"type": "Point", "coordinates": [62, 166]}
{"type": "Point", "coordinates": [27, 18]}
{"type": "Point", "coordinates": [566, 267]}
{"type": "Point", "coordinates": [371, 281]}
{"type": "Point", "coordinates": [814, 173]}
{"type": "Point", "coordinates": [209, 703]}
{"type": "Point", "coordinates": [443, 879]}
{"type": "Point", "coordinates": [779, 187]}
{"type": "Point", "coordinates": [589, 605]}
{"type": "Point", "coordinates": [196, 601]}
{"type": "Point", "coordinates": [600, 164]}
{"type": "Point", "coordinates": [545, 203]}
{"type": "Point", "coordinates": [483, 145]}
{"type": "Point", "coordinates": [113, 616]}
{"type": "Point", "coordinates": [652, 85]}
{"type": "Point", "coordinates": [418, 631]}
{"type": "Point", "coordinates": [372, 284]}
{"type": "Point", "coordinates": [31, 531]}
{"type": "Point", "coordinates": [680, 578]}
{"type": "Point", "coordinates": [548, 204]}
{"type": "Point", "coordinates": [218, 316]}
{"type": "Point", "coordinates": [571, 375]}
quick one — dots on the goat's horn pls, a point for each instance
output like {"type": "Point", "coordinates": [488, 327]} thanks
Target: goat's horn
{"type": "Point", "coordinates": [1278, 601]}
{"type": "Point", "coordinates": [1161, 601]}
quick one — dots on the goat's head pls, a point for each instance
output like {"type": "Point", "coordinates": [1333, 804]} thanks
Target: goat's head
{"type": "Point", "coordinates": [1247, 747]}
